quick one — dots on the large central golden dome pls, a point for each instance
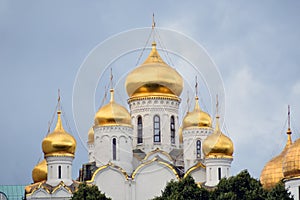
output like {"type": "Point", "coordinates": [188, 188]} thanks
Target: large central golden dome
{"type": "Point", "coordinates": [112, 114]}
{"type": "Point", "coordinates": [197, 118]}
{"type": "Point", "coordinates": [272, 173]}
{"type": "Point", "coordinates": [218, 145]}
{"type": "Point", "coordinates": [154, 78]}
{"type": "Point", "coordinates": [59, 142]}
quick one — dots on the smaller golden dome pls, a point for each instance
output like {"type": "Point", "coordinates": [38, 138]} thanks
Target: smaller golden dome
{"type": "Point", "coordinates": [91, 135]}
{"type": "Point", "coordinates": [218, 145]}
{"type": "Point", "coordinates": [112, 114]}
{"type": "Point", "coordinates": [197, 118]}
{"type": "Point", "coordinates": [272, 172]}
{"type": "Point", "coordinates": [39, 172]}
{"type": "Point", "coordinates": [154, 78]}
{"type": "Point", "coordinates": [59, 142]}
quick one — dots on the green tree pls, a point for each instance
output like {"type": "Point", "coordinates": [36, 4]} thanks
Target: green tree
{"type": "Point", "coordinates": [184, 189]}
{"type": "Point", "coordinates": [241, 186]}
{"type": "Point", "coordinates": [279, 192]}
{"type": "Point", "coordinates": [244, 187]}
{"type": "Point", "coordinates": [88, 192]}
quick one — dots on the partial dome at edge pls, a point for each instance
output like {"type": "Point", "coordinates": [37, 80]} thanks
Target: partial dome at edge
{"type": "Point", "coordinates": [39, 172]}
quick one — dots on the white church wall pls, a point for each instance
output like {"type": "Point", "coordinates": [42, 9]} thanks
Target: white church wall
{"type": "Point", "coordinates": [65, 165]}
{"type": "Point", "coordinates": [112, 182]}
{"type": "Point", "coordinates": [151, 179]}
{"type": "Point", "coordinates": [147, 108]}
{"type": "Point", "coordinates": [293, 186]}
{"type": "Point", "coordinates": [162, 154]}
{"type": "Point", "coordinates": [199, 175]}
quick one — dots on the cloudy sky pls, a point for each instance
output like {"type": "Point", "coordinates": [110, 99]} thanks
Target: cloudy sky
{"type": "Point", "coordinates": [255, 45]}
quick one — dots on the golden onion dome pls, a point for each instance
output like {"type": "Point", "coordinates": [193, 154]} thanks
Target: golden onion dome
{"type": "Point", "coordinates": [112, 114]}
{"type": "Point", "coordinates": [154, 78]}
{"type": "Point", "coordinates": [39, 172]}
{"type": "Point", "coordinates": [59, 142]}
{"type": "Point", "coordinates": [291, 161]}
{"type": "Point", "coordinates": [272, 172]}
{"type": "Point", "coordinates": [91, 135]}
{"type": "Point", "coordinates": [197, 118]}
{"type": "Point", "coordinates": [218, 145]}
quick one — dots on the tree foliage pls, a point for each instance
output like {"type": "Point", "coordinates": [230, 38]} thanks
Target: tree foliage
{"type": "Point", "coordinates": [185, 189]}
{"type": "Point", "coordinates": [239, 187]}
{"type": "Point", "coordinates": [88, 192]}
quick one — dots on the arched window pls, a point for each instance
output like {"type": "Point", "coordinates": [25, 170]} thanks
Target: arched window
{"type": "Point", "coordinates": [156, 128]}
{"type": "Point", "coordinates": [172, 129]}
{"type": "Point", "coordinates": [114, 148]}
{"type": "Point", "coordinates": [59, 172]}
{"type": "Point", "coordinates": [139, 130]}
{"type": "Point", "coordinates": [198, 148]}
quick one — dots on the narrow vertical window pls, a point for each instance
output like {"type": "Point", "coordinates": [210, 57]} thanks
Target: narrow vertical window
{"type": "Point", "coordinates": [172, 128]}
{"type": "Point", "coordinates": [156, 128]}
{"type": "Point", "coordinates": [59, 172]}
{"type": "Point", "coordinates": [198, 148]}
{"type": "Point", "coordinates": [50, 174]}
{"type": "Point", "coordinates": [219, 173]}
{"type": "Point", "coordinates": [140, 130]}
{"type": "Point", "coordinates": [114, 147]}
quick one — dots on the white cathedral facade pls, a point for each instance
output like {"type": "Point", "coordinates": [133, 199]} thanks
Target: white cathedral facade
{"type": "Point", "coordinates": [134, 153]}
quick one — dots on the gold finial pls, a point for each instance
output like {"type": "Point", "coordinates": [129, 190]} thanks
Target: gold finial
{"type": "Point", "coordinates": [196, 86]}
{"type": "Point", "coordinates": [289, 121]}
{"type": "Point", "coordinates": [217, 115]}
{"type": "Point", "coordinates": [58, 100]}
{"type": "Point", "coordinates": [111, 78]}
{"type": "Point", "coordinates": [111, 86]}
{"type": "Point", "coordinates": [111, 95]}
{"type": "Point", "coordinates": [153, 22]}
{"type": "Point", "coordinates": [289, 132]}
{"type": "Point", "coordinates": [59, 123]}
